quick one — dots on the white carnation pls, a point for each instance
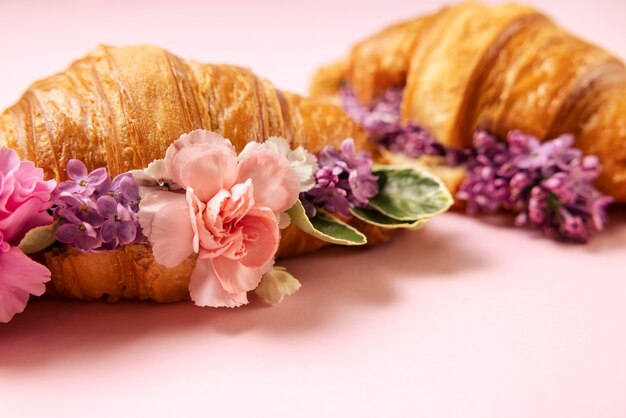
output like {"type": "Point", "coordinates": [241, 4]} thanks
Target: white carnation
{"type": "Point", "coordinates": [276, 284]}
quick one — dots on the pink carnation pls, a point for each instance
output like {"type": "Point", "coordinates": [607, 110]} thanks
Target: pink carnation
{"type": "Point", "coordinates": [24, 201]}
{"type": "Point", "coordinates": [226, 213]}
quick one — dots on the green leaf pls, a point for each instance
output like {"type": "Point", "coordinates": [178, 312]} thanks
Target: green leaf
{"type": "Point", "coordinates": [38, 239]}
{"type": "Point", "coordinates": [407, 194]}
{"type": "Point", "coordinates": [374, 217]}
{"type": "Point", "coordinates": [326, 227]}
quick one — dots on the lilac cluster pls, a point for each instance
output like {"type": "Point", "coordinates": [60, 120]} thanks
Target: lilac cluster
{"type": "Point", "coordinates": [95, 212]}
{"type": "Point", "coordinates": [549, 184]}
{"type": "Point", "coordinates": [382, 120]}
{"type": "Point", "coordinates": [344, 180]}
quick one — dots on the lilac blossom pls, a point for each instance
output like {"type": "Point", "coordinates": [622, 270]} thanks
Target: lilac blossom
{"type": "Point", "coordinates": [124, 189]}
{"type": "Point", "coordinates": [76, 232]}
{"type": "Point", "coordinates": [81, 181]}
{"type": "Point", "coordinates": [549, 184]}
{"type": "Point", "coordinates": [383, 121]}
{"type": "Point", "coordinates": [343, 181]}
{"type": "Point", "coordinates": [95, 212]}
{"type": "Point", "coordinates": [119, 226]}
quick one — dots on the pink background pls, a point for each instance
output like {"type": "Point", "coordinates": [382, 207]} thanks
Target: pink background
{"type": "Point", "coordinates": [465, 318]}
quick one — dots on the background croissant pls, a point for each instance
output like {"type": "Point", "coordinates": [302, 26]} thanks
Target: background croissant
{"type": "Point", "coordinates": [121, 108]}
{"type": "Point", "coordinates": [501, 68]}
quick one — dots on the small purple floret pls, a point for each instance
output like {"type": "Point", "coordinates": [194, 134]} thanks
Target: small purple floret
{"type": "Point", "coordinates": [81, 181]}
{"type": "Point", "coordinates": [95, 212]}
{"type": "Point", "coordinates": [343, 181]}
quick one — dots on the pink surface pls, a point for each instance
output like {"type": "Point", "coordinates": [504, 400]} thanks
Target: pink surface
{"type": "Point", "coordinates": [462, 319]}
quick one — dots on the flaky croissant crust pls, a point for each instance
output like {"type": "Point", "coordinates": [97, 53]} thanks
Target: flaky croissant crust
{"type": "Point", "coordinates": [501, 68]}
{"type": "Point", "coordinates": [121, 108]}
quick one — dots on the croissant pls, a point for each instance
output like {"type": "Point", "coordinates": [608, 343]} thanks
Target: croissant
{"type": "Point", "coordinates": [501, 68]}
{"type": "Point", "coordinates": [121, 108]}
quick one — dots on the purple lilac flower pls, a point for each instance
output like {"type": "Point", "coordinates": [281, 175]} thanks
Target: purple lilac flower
{"type": "Point", "coordinates": [343, 181]}
{"type": "Point", "coordinates": [81, 181]}
{"type": "Point", "coordinates": [120, 224]}
{"type": "Point", "coordinates": [550, 184]}
{"type": "Point", "coordinates": [380, 118]}
{"type": "Point", "coordinates": [383, 121]}
{"type": "Point", "coordinates": [96, 212]}
{"type": "Point", "coordinates": [77, 233]}
{"type": "Point", "coordinates": [124, 189]}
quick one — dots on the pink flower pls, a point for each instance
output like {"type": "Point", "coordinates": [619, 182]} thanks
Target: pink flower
{"type": "Point", "coordinates": [24, 201]}
{"type": "Point", "coordinates": [20, 277]}
{"type": "Point", "coordinates": [226, 213]}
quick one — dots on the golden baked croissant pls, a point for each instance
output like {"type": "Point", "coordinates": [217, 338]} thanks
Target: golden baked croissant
{"type": "Point", "coordinates": [500, 68]}
{"type": "Point", "coordinates": [121, 108]}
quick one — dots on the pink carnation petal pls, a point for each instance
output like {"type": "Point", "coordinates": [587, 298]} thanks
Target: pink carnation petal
{"type": "Point", "coordinates": [171, 234]}
{"type": "Point", "coordinates": [30, 182]}
{"type": "Point", "coordinates": [9, 161]}
{"type": "Point", "coordinates": [276, 184]}
{"type": "Point", "coordinates": [20, 276]}
{"type": "Point", "coordinates": [6, 186]}
{"type": "Point", "coordinates": [241, 200]}
{"type": "Point", "coordinates": [206, 221]}
{"type": "Point", "coordinates": [30, 214]}
{"type": "Point", "coordinates": [234, 276]}
{"type": "Point", "coordinates": [209, 172]}
{"type": "Point", "coordinates": [189, 146]}
{"type": "Point", "coordinates": [150, 204]}
{"type": "Point", "coordinates": [206, 289]}
{"type": "Point", "coordinates": [263, 226]}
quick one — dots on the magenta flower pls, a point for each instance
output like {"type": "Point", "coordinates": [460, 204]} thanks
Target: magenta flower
{"type": "Point", "coordinates": [344, 180]}
{"type": "Point", "coordinates": [24, 204]}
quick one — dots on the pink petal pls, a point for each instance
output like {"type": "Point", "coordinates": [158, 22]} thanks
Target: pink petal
{"type": "Point", "coordinates": [31, 184]}
{"type": "Point", "coordinates": [276, 184]}
{"type": "Point", "coordinates": [9, 161]}
{"type": "Point", "coordinates": [234, 276]}
{"type": "Point", "coordinates": [261, 224]}
{"type": "Point", "coordinates": [171, 234]}
{"type": "Point", "coordinates": [150, 204]}
{"type": "Point", "coordinates": [240, 202]}
{"type": "Point", "coordinates": [19, 277]}
{"type": "Point", "coordinates": [189, 146]}
{"type": "Point", "coordinates": [210, 223]}
{"type": "Point", "coordinates": [30, 214]}
{"type": "Point", "coordinates": [205, 288]}
{"type": "Point", "coordinates": [209, 172]}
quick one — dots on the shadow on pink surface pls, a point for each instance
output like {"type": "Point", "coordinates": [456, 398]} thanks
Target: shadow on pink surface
{"type": "Point", "coordinates": [333, 282]}
{"type": "Point", "coordinates": [340, 287]}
